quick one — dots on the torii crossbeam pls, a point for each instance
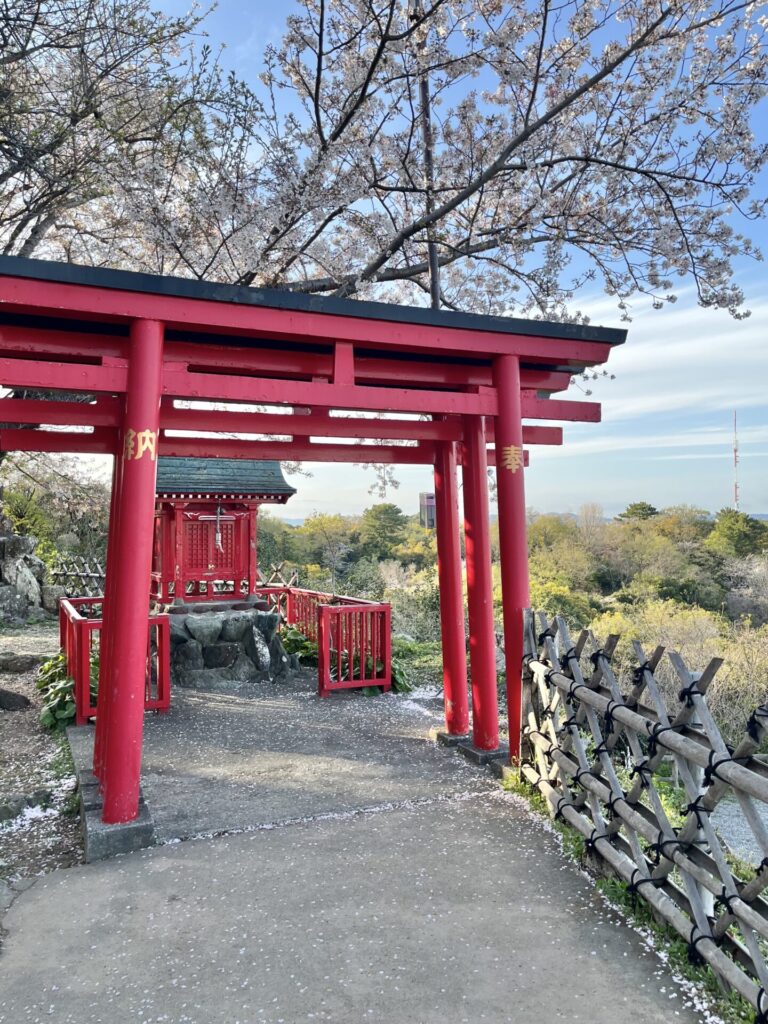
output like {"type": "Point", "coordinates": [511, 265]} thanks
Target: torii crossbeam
{"type": "Point", "coordinates": [156, 355]}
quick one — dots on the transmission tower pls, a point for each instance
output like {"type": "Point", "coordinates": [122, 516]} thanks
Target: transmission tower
{"type": "Point", "coordinates": [735, 464]}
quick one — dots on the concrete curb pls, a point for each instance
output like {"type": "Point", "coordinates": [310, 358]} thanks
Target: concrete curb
{"type": "Point", "coordinates": [102, 841]}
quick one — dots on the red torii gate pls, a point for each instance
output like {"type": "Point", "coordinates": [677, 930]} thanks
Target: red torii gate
{"type": "Point", "coordinates": [139, 344]}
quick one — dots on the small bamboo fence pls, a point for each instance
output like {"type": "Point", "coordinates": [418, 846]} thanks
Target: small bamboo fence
{"type": "Point", "coordinates": [596, 753]}
{"type": "Point", "coordinates": [79, 576]}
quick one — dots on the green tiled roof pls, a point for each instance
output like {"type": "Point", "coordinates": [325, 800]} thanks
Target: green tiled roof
{"type": "Point", "coordinates": [222, 476]}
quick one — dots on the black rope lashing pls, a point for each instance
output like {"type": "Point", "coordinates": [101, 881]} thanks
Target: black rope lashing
{"type": "Point", "coordinates": [695, 808]}
{"type": "Point", "coordinates": [762, 865]}
{"type": "Point", "coordinates": [644, 771]}
{"type": "Point", "coordinates": [561, 803]}
{"type": "Point", "coordinates": [639, 672]}
{"type": "Point", "coordinates": [597, 655]}
{"type": "Point", "coordinates": [566, 659]}
{"type": "Point", "coordinates": [567, 723]}
{"type": "Point", "coordinates": [574, 686]}
{"type": "Point", "coordinates": [762, 1007]}
{"type": "Point", "coordinates": [609, 724]}
{"type": "Point", "coordinates": [578, 774]}
{"type": "Point", "coordinates": [725, 900]}
{"type": "Point", "coordinates": [548, 634]}
{"type": "Point", "coordinates": [637, 879]}
{"type": "Point", "coordinates": [688, 693]}
{"type": "Point", "coordinates": [658, 849]}
{"type": "Point", "coordinates": [653, 738]}
{"type": "Point", "coordinates": [710, 771]}
{"type": "Point", "coordinates": [590, 844]}
{"type": "Point", "coordinates": [694, 956]}
{"type": "Point", "coordinates": [601, 748]}
{"type": "Point", "coordinates": [753, 723]}
{"type": "Point", "coordinates": [610, 805]}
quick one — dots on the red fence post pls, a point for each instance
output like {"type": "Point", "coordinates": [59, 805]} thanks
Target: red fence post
{"type": "Point", "coordinates": [454, 641]}
{"type": "Point", "coordinates": [133, 562]}
{"type": "Point", "coordinates": [512, 534]}
{"type": "Point", "coordinates": [386, 619]}
{"type": "Point", "coordinates": [323, 650]}
{"type": "Point", "coordinates": [482, 637]}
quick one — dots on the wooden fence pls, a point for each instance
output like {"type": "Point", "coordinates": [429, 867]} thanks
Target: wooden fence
{"type": "Point", "coordinates": [596, 755]}
{"type": "Point", "coordinates": [79, 576]}
{"type": "Point", "coordinates": [353, 636]}
{"type": "Point", "coordinates": [80, 625]}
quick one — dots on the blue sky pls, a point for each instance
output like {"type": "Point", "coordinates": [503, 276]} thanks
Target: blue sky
{"type": "Point", "coordinates": [667, 431]}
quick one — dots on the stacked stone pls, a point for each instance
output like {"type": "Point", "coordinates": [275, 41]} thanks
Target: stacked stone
{"type": "Point", "coordinates": [23, 594]}
{"type": "Point", "coordinates": [213, 650]}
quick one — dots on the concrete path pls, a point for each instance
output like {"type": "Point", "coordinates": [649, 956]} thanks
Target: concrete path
{"type": "Point", "coordinates": [342, 903]}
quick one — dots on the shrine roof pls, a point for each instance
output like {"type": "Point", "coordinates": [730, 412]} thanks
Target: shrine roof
{"type": "Point", "coordinates": [252, 477]}
{"type": "Point", "coordinates": [291, 301]}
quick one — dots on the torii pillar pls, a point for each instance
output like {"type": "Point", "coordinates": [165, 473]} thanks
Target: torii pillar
{"type": "Point", "coordinates": [451, 599]}
{"type": "Point", "coordinates": [127, 622]}
{"type": "Point", "coordinates": [482, 636]}
{"type": "Point", "coordinates": [513, 545]}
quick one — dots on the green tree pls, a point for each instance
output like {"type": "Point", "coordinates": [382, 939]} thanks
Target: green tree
{"type": "Point", "coordinates": [418, 547]}
{"type": "Point", "coordinates": [364, 579]}
{"type": "Point", "coordinates": [273, 541]}
{"type": "Point", "coordinates": [547, 530]}
{"type": "Point", "coordinates": [735, 535]}
{"type": "Point", "coordinates": [328, 537]}
{"type": "Point", "coordinates": [638, 510]}
{"type": "Point", "coordinates": [382, 528]}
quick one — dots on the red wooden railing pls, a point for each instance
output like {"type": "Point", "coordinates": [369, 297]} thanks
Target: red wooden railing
{"type": "Point", "coordinates": [353, 636]}
{"type": "Point", "coordinates": [80, 635]}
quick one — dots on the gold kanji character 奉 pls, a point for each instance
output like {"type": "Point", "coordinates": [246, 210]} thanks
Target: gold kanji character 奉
{"type": "Point", "coordinates": [512, 457]}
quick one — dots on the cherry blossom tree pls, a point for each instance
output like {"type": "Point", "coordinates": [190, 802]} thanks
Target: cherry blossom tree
{"type": "Point", "coordinates": [82, 84]}
{"type": "Point", "coordinates": [533, 147]}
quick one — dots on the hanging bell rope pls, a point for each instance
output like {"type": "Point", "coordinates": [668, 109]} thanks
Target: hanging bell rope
{"type": "Point", "coordinates": [219, 546]}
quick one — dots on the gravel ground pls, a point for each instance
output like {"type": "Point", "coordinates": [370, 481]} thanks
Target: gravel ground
{"type": "Point", "coordinates": [39, 826]}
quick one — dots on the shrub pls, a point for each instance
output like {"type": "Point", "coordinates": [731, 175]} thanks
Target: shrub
{"type": "Point", "coordinates": [57, 688]}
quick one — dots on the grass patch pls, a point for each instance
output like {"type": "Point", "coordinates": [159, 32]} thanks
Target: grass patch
{"type": "Point", "coordinates": [421, 661]}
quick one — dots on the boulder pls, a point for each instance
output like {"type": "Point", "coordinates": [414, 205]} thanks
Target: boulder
{"type": "Point", "coordinates": [220, 655]}
{"type": "Point", "coordinates": [235, 624]}
{"type": "Point", "coordinates": [243, 670]}
{"type": "Point", "coordinates": [11, 701]}
{"type": "Point", "coordinates": [279, 659]}
{"type": "Point", "coordinates": [205, 628]}
{"type": "Point", "coordinates": [23, 580]}
{"type": "Point", "coordinates": [13, 546]}
{"type": "Point", "coordinates": [257, 649]}
{"type": "Point", "coordinates": [267, 623]}
{"type": "Point", "coordinates": [179, 632]}
{"type": "Point", "coordinates": [52, 594]}
{"type": "Point", "coordinates": [15, 663]}
{"type": "Point", "coordinates": [36, 566]}
{"type": "Point", "coordinates": [13, 607]}
{"type": "Point", "coordinates": [187, 657]}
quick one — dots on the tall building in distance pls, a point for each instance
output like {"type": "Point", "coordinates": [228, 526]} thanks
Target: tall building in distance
{"type": "Point", "coordinates": [427, 510]}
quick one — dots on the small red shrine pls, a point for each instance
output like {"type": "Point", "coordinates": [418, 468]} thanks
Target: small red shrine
{"type": "Point", "coordinates": [206, 525]}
